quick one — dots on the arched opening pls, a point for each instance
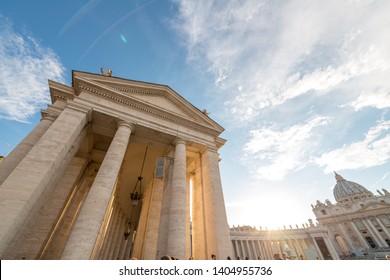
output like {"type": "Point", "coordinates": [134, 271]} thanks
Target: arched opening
{"type": "Point", "coordinates": [343, 245]}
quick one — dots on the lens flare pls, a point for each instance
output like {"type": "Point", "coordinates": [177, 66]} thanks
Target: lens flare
{"type": "Point", "coordinates": [123, 38]}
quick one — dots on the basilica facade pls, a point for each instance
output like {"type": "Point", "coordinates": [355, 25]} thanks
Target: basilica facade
{"type": "Point", "coordinates": [356, 226]}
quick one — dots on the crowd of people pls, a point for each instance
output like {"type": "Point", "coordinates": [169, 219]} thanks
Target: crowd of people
{"type": "Point", "coordinates": [277, 256]}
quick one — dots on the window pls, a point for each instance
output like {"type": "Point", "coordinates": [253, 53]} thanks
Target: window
{"type": "Point", "coordinates": [370, 242]}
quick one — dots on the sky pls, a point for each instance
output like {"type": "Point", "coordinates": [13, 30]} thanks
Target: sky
{"type": "Point", "coordinates": [301, 87]}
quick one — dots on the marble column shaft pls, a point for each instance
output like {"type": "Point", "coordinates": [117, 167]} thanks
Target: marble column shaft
{"type": "Point", "coordinates": [375, 234]}
{"type": "Point", "coordinates": [20, 151]}
{"type": "Point", "coordinates": [359, 235]}
{"type": "Point", "coordinates": [153, 223]}
{"type": "Point", "coordinates": [217, 229]}
{"type": "Point", "coordinates": [109, 233]}
{"type": "Point", "coordinates": [346, 238]}
{"type": "Point", "coordinates": [383, 227]}
{"type": "Point", "coordinates": [87, 227]}
{"type": "Point", "coordinates": [178, 207]}
{"type": "Point", "coordinates": [199, 241]}
{"type": "Point", "coordinates": [331, 249]}
{"type": "Point", "coordinates": [31, 178]}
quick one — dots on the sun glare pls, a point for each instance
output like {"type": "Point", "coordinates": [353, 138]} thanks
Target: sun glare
{"type": "Point", "coordinates": [267, 212]}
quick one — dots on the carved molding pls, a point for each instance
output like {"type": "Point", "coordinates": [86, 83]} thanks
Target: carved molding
{"type": "Point", "coordinates": [137, 104]}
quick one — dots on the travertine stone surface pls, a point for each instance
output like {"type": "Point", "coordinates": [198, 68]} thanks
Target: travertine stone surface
{"type": "Point", "coordinates": [86, 230]}
{"type": "Point", "coordinates": [217, 229]}
{"type": "Point", "coordinates": [29, 244]}
{"type": "Point", "coordinates": [21, 150]}
{"type": "Point", "coordinates": [93, 204]}
{"type": "Point", "coordinates": [27, 183]}
{"type": "Point", "coordinates": [177, 209]}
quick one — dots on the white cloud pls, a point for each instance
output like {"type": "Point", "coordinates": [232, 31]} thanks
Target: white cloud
{"type": "Point", "coordinates": [25, 68]}
{"type": "Point", "coordinates": [264, 53]}
{"type": "Point", "coordinates": [373, 150]}
{"type": "Point", "coordinates": [274, 152]}
{"type": "Point", "coordinates": [378, 98]}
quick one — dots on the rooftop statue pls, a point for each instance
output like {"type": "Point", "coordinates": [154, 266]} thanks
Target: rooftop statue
{"type": "Point", "coordinates": [107, 73]}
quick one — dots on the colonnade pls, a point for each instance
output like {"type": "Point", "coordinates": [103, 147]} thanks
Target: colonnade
{"type": "Point", "coordinates": [61, 186]}
{"type": "Point", "coordinates": [96, 230]}
{"type": "Point", "coordinates": [266, 249]}
{"type": "Point", "coordinates": [119, 236]}
{"type": "Point", "coordinates": [28, 175]}
{"type": "Point", "coordinates": [379, 233]}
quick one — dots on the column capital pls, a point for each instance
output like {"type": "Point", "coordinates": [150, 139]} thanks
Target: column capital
{"type": "Point", "coordinates": [51, 113]}
{"type": "Point", "coordinates": [125, 123]}
{"type": "Point", "coordinates": [212, 149]}
{"type": "Point", "coordinates": [78, 106]}
{"type": "Point", "coordinates": [179, 140]}
{"type": "Point", "coordinates": [49, 117]}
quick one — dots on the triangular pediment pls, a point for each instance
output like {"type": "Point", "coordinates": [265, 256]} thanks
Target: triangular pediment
{"type": "Point", "coordinates": [154, 98]}
{"type": "Point", "coordinates": [375, 206]}
{"type": "Point", "coordinates": [161, 101]}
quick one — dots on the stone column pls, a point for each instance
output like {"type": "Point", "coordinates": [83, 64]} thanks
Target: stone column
{"type": "Point", "coordinates": [375, 234]}
{"type": "Point", "coordinates": [292, 247]}
{"type": "Point", "coordinates": [263, 252]}
{"type": "Point", "coordinates": [21, 192]}
{"type": "Point", "coordinates": [270, 249]}
{"type": "Point", "coordinates": [119, 237]}
{"type": "Point", "coordinates": [109, 234]}
{"type": "Point", "coordinates": [114, 236]}
{"type": "Point", "coordinates": [129, 242]}
{"type": "Point", "coordinates": [331, 249]}
{"type": "Point", "coordinates": [86, 230]}
{"type": "Point", "coordinates": [241, 249]}
{"type": "Point", "coordinates": [188, 219]}
{"type": "Point", "coordinates": [359, 235]}
{"type": "Point", "coordinates": [163, 231]}
{"type": "Point", "coordinates": [254, 250]}
{"type": "Point", "coordinates": [153, 225]}
{"type": "Point", "coordinates": [270, 253]}
{"type": "Point", "coordinates": [102, 254]}
{"type": "Point", "coordinates": [178, 206]}
{"type": "Point", "coordinates": [199, 241]}
{"type": "Point", "coordinates": [383, 227]}
{"type": "Point", "coordinates": [247, 249]}
{"type": "Point", "coordinates": [301, 248]}
{"type": "Point", "coordinates": [234, 249]}
{"type": "Point", "coordinates": [317, 248]}
{"type": "Point", "coordinates": [20, 151]}
{"type": "Point", "coordinates": [122, 245]}
{"type": "Point", "coordinates": [346, 237]}
{"type": "Point", "coordinates": [297, 248]}
{"type": "Point", "coordinates": [258, 249]}
{"type": "Point", "coordinates": [43, 229]}
{"type": "Point", "coordinates": [218, 237]}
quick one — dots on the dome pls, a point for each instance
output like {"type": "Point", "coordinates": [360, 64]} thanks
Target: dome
{"type": "Point", "coordinates": [348, 191]}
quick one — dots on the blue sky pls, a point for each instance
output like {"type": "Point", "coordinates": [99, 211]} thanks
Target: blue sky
{"type": "Point", "coordinates": [301, 87]}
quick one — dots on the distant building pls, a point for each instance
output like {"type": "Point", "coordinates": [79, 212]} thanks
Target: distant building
{"type": "Point", "coordinates": [359, 222]}
{"type": "Point", "coordinates": [309, 242]}
{"type": "Point", "coordinates": [357, 226]}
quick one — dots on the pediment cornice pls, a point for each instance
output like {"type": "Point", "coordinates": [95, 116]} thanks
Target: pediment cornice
{"type": "Point", "coordinates": [374, 205]}
{"type": "Point", "coordinates": [60, 91]}
{"type": "Point", "coordinates": [129, 96]}
{"type": "Point", "coordinates": [155, 92]}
